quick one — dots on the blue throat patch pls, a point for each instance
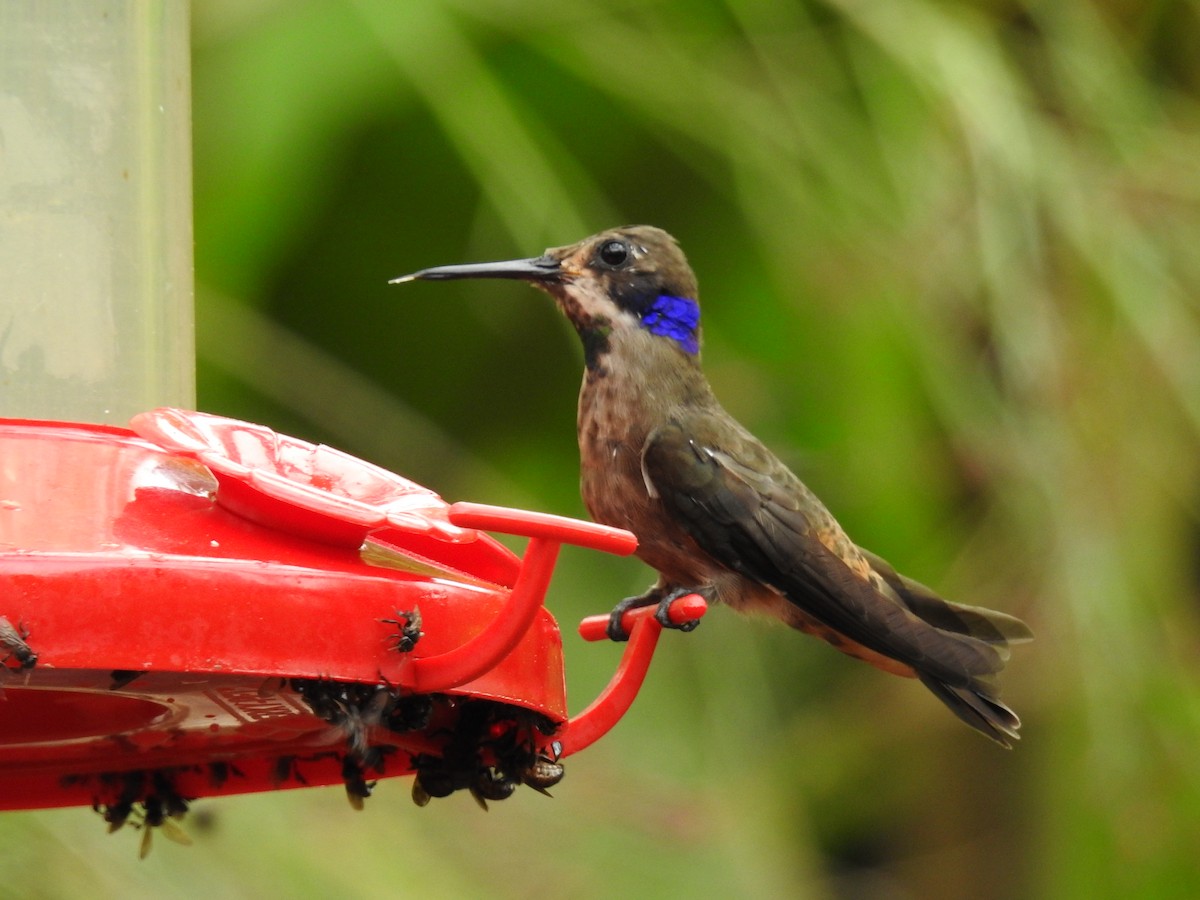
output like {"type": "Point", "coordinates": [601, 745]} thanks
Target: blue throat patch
{"type": "Point", "coordinates": [677, 318]}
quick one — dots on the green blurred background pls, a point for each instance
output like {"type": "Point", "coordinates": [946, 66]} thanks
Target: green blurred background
{"type": "Point", "coordinates": [949, 257]}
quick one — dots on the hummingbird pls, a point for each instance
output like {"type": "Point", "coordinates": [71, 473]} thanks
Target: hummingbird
{"type": "Point", "coordinates": [715, 512]}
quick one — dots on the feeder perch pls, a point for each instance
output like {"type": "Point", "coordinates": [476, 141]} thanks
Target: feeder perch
{"type": "Point", "coordinates": [200, 606]}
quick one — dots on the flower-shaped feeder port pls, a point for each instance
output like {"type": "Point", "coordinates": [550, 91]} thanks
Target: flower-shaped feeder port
{"type": "Point", "coordinates": [201, 606]}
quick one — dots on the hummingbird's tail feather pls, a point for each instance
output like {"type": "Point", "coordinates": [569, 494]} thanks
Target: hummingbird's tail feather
{"type": "Point", "coordinates": [974, 701]}
{"type": "Point", "coordinates": [977, 708]}
{"type": "Point", "coordinates": [987, 625]}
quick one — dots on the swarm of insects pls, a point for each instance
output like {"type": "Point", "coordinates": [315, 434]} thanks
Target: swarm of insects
{"type": "Point", "coordinates": [145, 799]}
{"type": "Point", "coordinates": [489, 750]}
{"type": "Point", "coordinates": [486, 748]}
{"type": "Point", "coordinates": [356, 709]}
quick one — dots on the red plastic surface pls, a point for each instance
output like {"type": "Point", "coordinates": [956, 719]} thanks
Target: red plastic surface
{"type": "Point", "coordinates": [614, 701]}
{"type": "Point", "coordinates": [220, 559]}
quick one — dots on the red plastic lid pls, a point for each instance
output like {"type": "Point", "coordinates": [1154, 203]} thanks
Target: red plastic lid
{"type": "Point", "coordinates": [307, 489]}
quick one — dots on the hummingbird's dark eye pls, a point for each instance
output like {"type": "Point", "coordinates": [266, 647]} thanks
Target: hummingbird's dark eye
{"type": "Point", "coordinates": [614, 253]}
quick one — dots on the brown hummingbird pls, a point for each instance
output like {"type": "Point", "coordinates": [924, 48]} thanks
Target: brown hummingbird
{"type": "Point", "coordinates": [714, 511]}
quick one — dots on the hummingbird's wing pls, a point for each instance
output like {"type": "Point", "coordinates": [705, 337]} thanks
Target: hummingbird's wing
{"type": "Point", "coordinates": [749, 512]}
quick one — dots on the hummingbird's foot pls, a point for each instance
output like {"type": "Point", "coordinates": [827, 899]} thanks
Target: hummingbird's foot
{"type": "Point", "coordinates": [653, 597]}
{"type": "Point", "coordinates": [663, 613]}
{"type": "Point", "coordinates": [616, 631]}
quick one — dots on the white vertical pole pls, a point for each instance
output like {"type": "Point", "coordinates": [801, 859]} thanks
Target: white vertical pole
{"type": "Point", "coordinates": [96, 285]}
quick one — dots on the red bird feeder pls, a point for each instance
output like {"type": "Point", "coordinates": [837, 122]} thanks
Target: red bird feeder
{"type": "Point", "coordinates": [201, 606]}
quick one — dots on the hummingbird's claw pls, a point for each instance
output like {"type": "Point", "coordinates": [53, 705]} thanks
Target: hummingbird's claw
{"type": "Point", "coordinates": [616, 631]}
{"type": "Point", "coordinates": [663, 613]}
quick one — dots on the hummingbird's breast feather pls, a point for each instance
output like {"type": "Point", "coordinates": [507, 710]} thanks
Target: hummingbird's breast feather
{"type": "Point", "coordinates": [618, 408]}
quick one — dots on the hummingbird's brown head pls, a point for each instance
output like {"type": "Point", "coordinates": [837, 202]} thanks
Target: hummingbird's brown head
{"type": "Point", "coordinates": [623, 279]}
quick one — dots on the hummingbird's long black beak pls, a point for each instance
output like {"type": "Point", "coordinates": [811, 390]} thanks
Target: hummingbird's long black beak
{"type": "Point", "coordinates": [537, 269]}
